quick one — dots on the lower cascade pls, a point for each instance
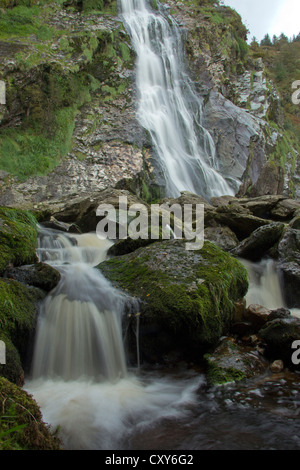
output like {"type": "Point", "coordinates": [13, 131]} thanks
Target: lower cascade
{"type": "Point", "coordinates": [84, 386]}
{"type": "Point", "coordinates": [79, 331]}
{"type": "Point", "coordinates": [79, 373]}
{"type": "Point", "coordinates": [265, 286]}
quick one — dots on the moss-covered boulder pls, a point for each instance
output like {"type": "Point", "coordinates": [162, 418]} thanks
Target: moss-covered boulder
{"type": "Point", "coordinates": [21, 424]}
{"type": "Point", "coordinates": [39, 275]}
{"type": "Point", "coordinates": [18, 237]}
{"type": "Point", "coordinates": [186, 297]}
{"type": "Point", "coordinates": [18, 315]}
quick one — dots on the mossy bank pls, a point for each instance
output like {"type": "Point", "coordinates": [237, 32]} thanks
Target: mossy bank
{"type": "Point", "coordinates": [24, 283]}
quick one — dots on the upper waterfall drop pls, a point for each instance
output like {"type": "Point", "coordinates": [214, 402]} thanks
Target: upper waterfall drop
{"type": "Point", "coordinates": [169, 107]}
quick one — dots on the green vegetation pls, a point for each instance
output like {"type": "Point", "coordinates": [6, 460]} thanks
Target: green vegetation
{"type": "Point", "coordinates": [18, 313]}
{"type": "Point", "coordinates": [46, 95]}
{"type": "Point", "coordinates": [216, 375]}
{"type": "Point", "coordinates": [281, 57]}
{"type": "Point", "coordinates": [23, 21]}
{"type": "Point", "coordinates": [17, 237]}
{"type": "Point", "coordinates": [21, 425]}
{"type": "Point", "coordinates": [182, 294]}
{"type": "Point", "coordinates": [18, 240]}
{"type": "Point", "coordinates": [221, 32]}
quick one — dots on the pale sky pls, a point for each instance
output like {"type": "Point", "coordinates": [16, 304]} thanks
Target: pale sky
{"type": "Point", "coordinates": [268, 16]}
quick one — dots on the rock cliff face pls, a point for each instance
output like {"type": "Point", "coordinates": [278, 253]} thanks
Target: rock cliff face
{"type": "Point", "coordinates": [242, 109]}
{"type": "Point", "coordinates": [69, 128]}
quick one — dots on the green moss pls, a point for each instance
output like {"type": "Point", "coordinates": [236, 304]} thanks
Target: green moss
{"type": "Point", "coordinates": [185, 291]}
{"type": "Point", "coordinates": [18, 237]}
{"type": "Point", "coordinates": [219, 376]}
{"type": "Point", "coordinates": [57, 89]}
{"type": "Point", "coordinates": [21, 424]}
{"type": "Point", "coordinates": [18, 311]}
{"type": "Point", "coordinates": [12, 370]}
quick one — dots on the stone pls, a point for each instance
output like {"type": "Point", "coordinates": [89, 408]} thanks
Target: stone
{"type": "Point", "coordinates": [285, 209]}
{"type": "Point", "coordinates": [277, 366]}
{"type": "Point", "coordinates": [295, 223]}
{"type": "Point", "coordinates": [279, 336]}
{"type": "Point", "coordinates": [82, 212]}
{"type": "Point", "coordinates": [239, 312]}
{"type": "Point", "coordinates": [257, 315]}
{"type": "Point", "coordinates": [221, 236]}
{"type": "Point", "coordinates": [289, 265]}
{"type": "Point", "coordinates": [187, 296]}
{"type": "Point", "coordinates": [238, 218]}
{"type": "Point", "coordinates": [233, 362]}
{"type": "Point", "coordinates": [260, 206]}
{"type": "Point", "coordinates": [235, 132]}
{"type": "Point", "coordinates": [39, 275]}
{"type": "Point", "coordinates": [259, 242]}
{"type": "Point", "coordinates": [221, 200]}
{"type": "Point", "coordinates": [270, 181]}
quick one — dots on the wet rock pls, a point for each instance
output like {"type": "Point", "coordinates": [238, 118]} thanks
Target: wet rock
{"type": "Point", "coordinates": [270, 181]}
{"type": "Point", "coordinates": [289, 265]}
{"type": "Point", "coordinates": [222, 236]}
{"type": "Point", "coordinates": [285, 209]}
{"type": "Point", "coordinates": [233, 362]}
{"type": "Point", "coordinates": [238, 218]}
{"type": "Point", "coordinates": [279, 313]}
{"type": "Point", "coordinates": [277, 366]}
{"type": "Point", "coordinates": [187, 296]}
{"type": "Point", "coordinates": [257, 316]}
{"type": "Point", "coordinates": [259, 242]}
{"type": "Point", "coordinates": [279, 336]}
{"type": "Point", "coordinates": [39, 275]}
{"type": "Point", "coordinates": [235, 132]}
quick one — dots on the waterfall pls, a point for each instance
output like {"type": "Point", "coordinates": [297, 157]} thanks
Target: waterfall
{"type": "Point", "coordinates": [80, 377]}
{"type": "Point", "coordinates": [169, 107]}
{"type": "Point", "coordinates": [79, 332]}
{"type": "Point", "coordinates": [265, 287]}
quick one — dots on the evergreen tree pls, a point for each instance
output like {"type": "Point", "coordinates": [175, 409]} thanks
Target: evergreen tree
{"type": "Point", "coordinates": [266, 41]}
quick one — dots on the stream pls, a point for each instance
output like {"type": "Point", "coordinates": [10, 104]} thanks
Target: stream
{"type": "Point", "coordinates": [101, 404]}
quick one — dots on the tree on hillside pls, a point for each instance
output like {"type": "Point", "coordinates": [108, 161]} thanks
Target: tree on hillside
{"type": "Point", "coordinates": [266, 41]}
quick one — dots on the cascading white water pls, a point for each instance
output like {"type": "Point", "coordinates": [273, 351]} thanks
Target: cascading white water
{"type": "Point", "coordinates": [264, 286]}
{"type": "Point", "coordinates": [79, 332]}
{"type": "Point", "coordinates": [169, 108]}
{"type": "Point", "coordinates": [79, 373]}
